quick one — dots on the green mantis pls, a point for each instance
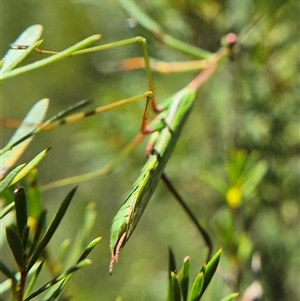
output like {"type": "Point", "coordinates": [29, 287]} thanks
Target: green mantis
{"type": "Point", "coordinates": [242, 103]}
{"type": "Point", "coordinates": [165, 129]}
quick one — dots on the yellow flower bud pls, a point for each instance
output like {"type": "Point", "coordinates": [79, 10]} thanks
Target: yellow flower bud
{"type": "Point", "coordinates": [234, 197]}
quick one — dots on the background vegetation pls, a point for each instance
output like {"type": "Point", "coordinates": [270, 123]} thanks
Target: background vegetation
{"type": "Point", "coordinates": [248, 110]}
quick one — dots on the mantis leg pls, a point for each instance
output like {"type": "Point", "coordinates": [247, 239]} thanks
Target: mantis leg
{"type": "Point", "coordinates": [190, 214]}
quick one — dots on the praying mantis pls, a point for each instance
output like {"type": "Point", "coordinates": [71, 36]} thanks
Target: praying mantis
{"type": "Point", "coordinates": [221, 115]}
{"type": "Point", "coordinates": [164, 131]}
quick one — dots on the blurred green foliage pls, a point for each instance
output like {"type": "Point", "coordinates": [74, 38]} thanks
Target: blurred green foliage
{"type": "Point", "coordinates": [240, 146]}
{"type": "Point", "coordinates": [28, 240]}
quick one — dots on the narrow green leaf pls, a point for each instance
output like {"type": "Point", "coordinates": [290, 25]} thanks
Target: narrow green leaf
{"type": "Point", "coordinates": [197, 287]}
{"type": "Point", "coordinates": [49, 60]}
{"type": "Point", "coordinates": [63, 250]}
{"type": "Point", "coordinates": [172, 269]}
{"type": "Point", "coordinates": [52, 227]}
{"type": "Point", "coordinates": [6, 182]}
{"type": "Point", "coordinates": [10, 285]}
{"type": "Point", "coordinates": [141, 16]}
{"type": "Point", "coordinates": [86, 252]}
{"type": "Point", "coordinates": [25, 236]}
{"type": "Point", "coordinates": [7, 209]}
{"type": "Point", "coordinates": [174, 288]}
{"type": "Point", "coordinates": [71, 109]}
{"type": "Point", "coordinates": [7, 272]}
{"type": "Point", "coordinates": [230, 297]}
{"type": "Point", "coordinates": [59, 278]}
{"type": "Point", "coordinates": [40, 227]}
{"type": "Point", "coordinates": [148, 23]}
{"type": "Point", "coordinates": [89, 249]}
{"type": "Point", "coordinates": [172, 261]}
{"type": "Point", "coordinates": [32, 164]}
{"type": "Point", "coordinates": [170, 296]}
{"type": "Point", "coordinates": [31, 125]}
{"type": "Point", "coordinates": [34, 195]}
{"type": "Point", "coordinates": [78, 245]}
{"type": "Point", "coordinates": [214, 181]}
{"type": "Point", "coordinates": [183, 276]}
{"type": "Point", "coordinates": [253, 178]}
{"type": "Point", "coordinates": [21, 210]}
{"type": "Point", "coordinates": [236, 164]}
{"type": "Point", "coordinates": [34, 279]}
{"type": "Point", "coordinates": [244, 247]}
{"type": "Point", "coordinates": [209, 269]}
{"type": "Point", "coordinates": [16, 246]}
{"type": "Point", "coordinates": [13, 149]}
{"type": "Point", "coordinates": [83, 234]}
{"type": "Point", "coordinates": [27, 38]}
{"type": "Point", "coordinates": [37, 127]}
